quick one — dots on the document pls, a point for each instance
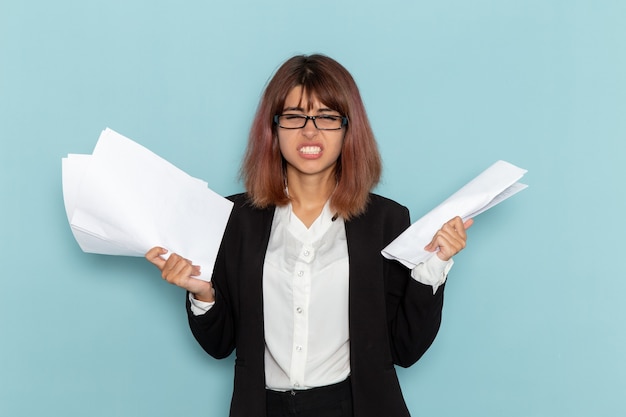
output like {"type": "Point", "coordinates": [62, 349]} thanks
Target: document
{"type": "Point", "coordinates": [494, 185]}
{"type": "Point", "coordinates": [123, 200]}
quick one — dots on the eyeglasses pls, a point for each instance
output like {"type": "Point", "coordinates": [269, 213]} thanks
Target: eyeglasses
{"type": "Point", "coordinates": [321, 122]}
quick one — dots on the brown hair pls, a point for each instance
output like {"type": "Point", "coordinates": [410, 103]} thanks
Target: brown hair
{"type": "Point", "coordinates": [359, 166]}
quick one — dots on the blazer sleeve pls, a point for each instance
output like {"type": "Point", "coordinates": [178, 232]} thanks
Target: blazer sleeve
{"type": "Point", "coordinates": [236, 318]}
{"type": "Point", "coordinates": [413, 311]}
{"type": "Point", "coordinates": [214, 330]}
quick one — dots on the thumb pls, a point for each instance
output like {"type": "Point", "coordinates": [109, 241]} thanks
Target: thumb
{"type": "Point", "coordinates": [155, 256]}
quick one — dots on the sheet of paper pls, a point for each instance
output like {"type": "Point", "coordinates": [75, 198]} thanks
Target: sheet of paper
{"type": "Point", "coordinates": [491, 187]}
{"type": "Point", "coordinates": [123, 199]}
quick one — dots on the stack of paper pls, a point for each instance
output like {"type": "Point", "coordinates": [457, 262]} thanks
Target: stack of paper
{"type": "Point", "coordinates": [123, 200]}
{"type": "Point", "coordinates": [491, 187]}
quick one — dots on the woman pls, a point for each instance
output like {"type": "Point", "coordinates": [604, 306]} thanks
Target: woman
{"type": "Point", "coordinates": [317, 316]}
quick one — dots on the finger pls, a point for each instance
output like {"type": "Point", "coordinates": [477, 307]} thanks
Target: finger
{"type": "Point", "coordinates": [449, 247]}
{"type": "Point", "coordinates": [432, 245]}
{"type": "Point", "coordinates": [180, 271]}
{"type": "Point", "coordinates": [456, 226]}
{"type": "Point", "coordinates": [448, 235]}
{"type": "Point", "coordinates": [174, 264]}
{"type": "Point", "coordinates": [195, 270]}
{"type": "Point", "coordinates": [448, 240]}
{"type": "Point", "coordinates": [154, 256]}
{"type": "Point", "coordinates": [154, 252]}
{"type": "Point", "coordinates": [440, 238]}
{"type": "Point", "coordinates": [458, 237]}
{"type": "Point", "coordinates": [442, 244]}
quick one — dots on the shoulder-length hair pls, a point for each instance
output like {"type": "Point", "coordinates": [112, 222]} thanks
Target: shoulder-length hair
{"type": "Point", "coordinates": [358, 168]}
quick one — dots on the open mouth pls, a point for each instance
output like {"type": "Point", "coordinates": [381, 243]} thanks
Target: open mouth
{"type": "Point", "coordinates": [310, 150]}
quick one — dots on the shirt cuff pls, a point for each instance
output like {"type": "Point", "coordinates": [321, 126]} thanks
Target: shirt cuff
{"type": "Point", "coordinates": [432, 272]}
{"type": "Point", "coordinates": [198, 307]}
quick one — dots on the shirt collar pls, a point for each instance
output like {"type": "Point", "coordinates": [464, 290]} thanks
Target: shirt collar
{"type": "Point", "coordinates": [285, 215]}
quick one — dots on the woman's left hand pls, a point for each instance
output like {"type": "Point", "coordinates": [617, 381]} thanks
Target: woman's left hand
{"type": "Point", "coordinates": [450, 239]}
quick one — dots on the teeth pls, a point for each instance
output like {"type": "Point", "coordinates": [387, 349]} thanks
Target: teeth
{"type": "Point", "coordinates": [310, 149]}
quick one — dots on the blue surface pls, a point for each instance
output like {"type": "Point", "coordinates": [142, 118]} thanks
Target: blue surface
{"type": "Point", "coordinates": [534, 314]}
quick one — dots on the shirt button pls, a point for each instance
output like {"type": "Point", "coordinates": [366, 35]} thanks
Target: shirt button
{"type": "Point", "coordinates": [299, 309]}
{"type": "Point", "coordinates": [300, 273]}
{"type": "Point", "coordinates": [299, 348]}
{"type": "Point", "coordinates": [306, 253]}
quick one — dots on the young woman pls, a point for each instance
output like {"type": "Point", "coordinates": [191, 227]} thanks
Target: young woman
{"type": "Point", "coordinates": [317, 316]}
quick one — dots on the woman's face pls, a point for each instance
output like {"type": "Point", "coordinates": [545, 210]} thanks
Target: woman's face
{"type": "Point", "coordinates": [309, 151]}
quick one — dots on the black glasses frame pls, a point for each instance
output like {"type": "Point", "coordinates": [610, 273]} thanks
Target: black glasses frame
{"type": "Point", "coordinates": [306, 118]}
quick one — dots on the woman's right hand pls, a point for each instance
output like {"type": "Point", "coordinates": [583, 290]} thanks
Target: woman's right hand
{"type": "Point", "coordinates": [181, 272]}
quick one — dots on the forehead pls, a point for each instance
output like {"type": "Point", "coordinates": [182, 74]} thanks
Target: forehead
{"type": "Point", "coordinates": [298, 97]}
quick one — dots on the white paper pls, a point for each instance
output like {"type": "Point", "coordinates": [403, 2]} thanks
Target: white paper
{"type": "Point", "coordinates": [491, 187]}
{"type": "Point", "coordinates": [123, 200]}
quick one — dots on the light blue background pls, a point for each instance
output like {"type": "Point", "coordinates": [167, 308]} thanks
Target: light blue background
{"type": "Point", "coordinates": [534, 314]}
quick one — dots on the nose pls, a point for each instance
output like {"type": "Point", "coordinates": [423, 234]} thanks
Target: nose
{"type": "Point", "coordinates": [309, 130]}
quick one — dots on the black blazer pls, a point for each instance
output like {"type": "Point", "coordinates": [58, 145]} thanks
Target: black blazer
{"type": "Point", "coordinates": [393, 318]}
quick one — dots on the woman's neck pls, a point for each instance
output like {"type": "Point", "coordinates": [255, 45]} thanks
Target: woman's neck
{"type": "Point", "coordinates": [308, 195]}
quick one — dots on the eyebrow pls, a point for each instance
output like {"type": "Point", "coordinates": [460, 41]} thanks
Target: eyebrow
{"type": "Point", "coordinates": [300, 109]}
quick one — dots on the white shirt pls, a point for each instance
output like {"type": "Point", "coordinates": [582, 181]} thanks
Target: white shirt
{"type": "Point", "coordinates": [305, 300]}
